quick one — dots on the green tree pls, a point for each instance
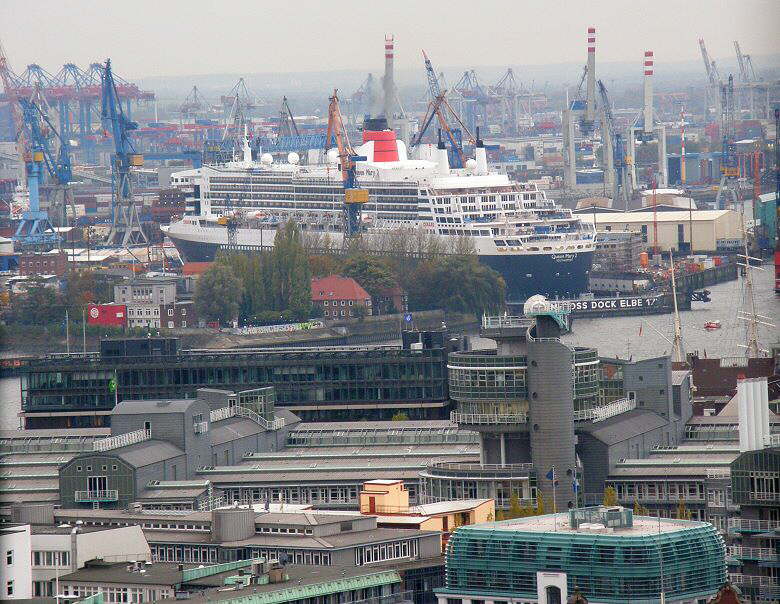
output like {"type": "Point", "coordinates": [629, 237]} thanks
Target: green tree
{"type": "Point", "coordinates": [290, 274]}
{"type": "Point", "coordinates": [400, 417]}
{"type": "Point", "coordinates": [539, 503]}
{"type": "Point", "coordinates": [500, 515]}
{"type": "Point", "coordinates": [218, 293]}
{"type": "Point", "coordinates": [682, 511]}
{"type": "Point", "coordinates": [373, 274]}
{"type": "Point", "coordinates": [610, 497]}
{"type": "Point", "coordinates": [37, 306]}
{"type": "Point", "coordinates": [515, 510]}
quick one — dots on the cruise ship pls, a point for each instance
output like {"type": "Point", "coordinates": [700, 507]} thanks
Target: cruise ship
{"type": "Point", "coordinates": [537, 246]}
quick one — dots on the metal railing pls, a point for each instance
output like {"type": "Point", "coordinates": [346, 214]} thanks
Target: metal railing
{"type": "Point", "coordinates": [772, 440]}
{"type": "Point", "coordinates": [718, 473]}
{"type": "Point", "coordinates": [500, 321]}
{"type": "Point", "coordinates": [90, 496]}
{"type": "Point", "coordinates": [753, 526]}
{"type": "Point", "coordinates": [238, 411]}
{"type": "Point", "coordinates": [603, 412]}
{"type": "Point", "coordinates": [121, 440]}
{"type": "Point", "coordinates": [752, 553]}
{"type": "Point", "coordinates": [489, 418]}
{"type": "Point", "coordinates": [752, 580]}
{"type": "Point", "coordinates": [477, 470]}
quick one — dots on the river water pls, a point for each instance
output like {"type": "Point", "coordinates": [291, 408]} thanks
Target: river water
{"type": "Point", "coordinates": [615, 336]}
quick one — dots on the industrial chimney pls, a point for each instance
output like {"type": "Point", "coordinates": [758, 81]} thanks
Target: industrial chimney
{"type": "Point", "coordinates": [648, 108]}
{"type": "Point", "coordinates": [388, 82]}
{"type": "Point", "coordinates": [590, 108]}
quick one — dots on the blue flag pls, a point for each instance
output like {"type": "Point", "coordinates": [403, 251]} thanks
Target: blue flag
{"type": "Point", "coordinates": [551, 474]}
{"type": "Point", "coordinates": [575, 486]}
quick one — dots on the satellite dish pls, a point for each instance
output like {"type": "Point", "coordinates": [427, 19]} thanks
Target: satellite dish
{"type": "Point", "coordinates": [266, 158]}
{"type": "Point", "coordinates": [293, 158]}
{"type": "Point", "coordinates": [332, 156]}
{"type": "Point", "coordinates": [471, 164]}
{"type": "Point", "coordinates": [535, 304]}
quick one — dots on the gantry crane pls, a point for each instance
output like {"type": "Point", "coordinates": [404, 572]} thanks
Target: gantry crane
{"type": "Point", "coordinates": [126, 225]}
{"type": "Point", "coordinates": [729, 170]}
{"type": "Point", "coordinates": [57, 164]}
{"type": "Point", "coordinates": [35, 228]}
{"type": "Point", "coordinates": [354, 196]}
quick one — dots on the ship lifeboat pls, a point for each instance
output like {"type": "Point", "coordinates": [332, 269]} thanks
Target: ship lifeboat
{"type": "Point", "coordinates": [712, 325]}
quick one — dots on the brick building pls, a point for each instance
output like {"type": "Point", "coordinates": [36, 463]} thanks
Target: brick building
{"type": "Point", "coordinates": [48, 263]}
{"type": "Point", "coordinates": [339, 297]}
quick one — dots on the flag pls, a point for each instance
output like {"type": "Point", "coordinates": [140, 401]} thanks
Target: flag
{"type": "Point", "coordinates": [112, 384]}
{"type": "Point", "coordinates": [551, 474]}
{"type": "Point", "coordinates": [575, 486]}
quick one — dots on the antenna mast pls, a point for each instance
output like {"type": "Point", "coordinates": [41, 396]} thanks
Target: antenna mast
{"type": "Point", "coordinates": [677, 346]}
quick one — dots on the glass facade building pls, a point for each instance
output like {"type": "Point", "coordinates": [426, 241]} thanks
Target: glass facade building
{"type": "Point", "coordinates": [631, 563]}
{"type": "Point", "coordinates": [317, 384]}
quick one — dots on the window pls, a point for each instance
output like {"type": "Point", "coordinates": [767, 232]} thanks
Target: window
{"type": "Point", "coordinates": [170, 324]}
{"type": "Point", "coordinates": [9, 587]}
{"type": "Point", "coordinates": [170, 312]}
{"type": "Point", "coordinates": [183, 312]}
{"type": "Point", "coordinates": [9, 557]}
{"type": "Point", "coordinates": [325, 303]}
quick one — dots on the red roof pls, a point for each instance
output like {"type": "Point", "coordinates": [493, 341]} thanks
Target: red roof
{"type": "Point", "coordinates": [336, 287]}
{"type": "Point", "coordinates": [195, 268]}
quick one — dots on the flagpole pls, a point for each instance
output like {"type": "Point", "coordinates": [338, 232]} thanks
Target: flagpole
{"type": "Point", "coordinates": [555, 508]}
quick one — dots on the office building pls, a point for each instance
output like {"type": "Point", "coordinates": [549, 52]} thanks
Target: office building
{"type": "Point", "coordinates": [607, 555]}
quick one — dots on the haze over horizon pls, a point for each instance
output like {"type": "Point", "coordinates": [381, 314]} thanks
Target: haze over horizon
{"type": "Point", "coordinates": [179, 38]}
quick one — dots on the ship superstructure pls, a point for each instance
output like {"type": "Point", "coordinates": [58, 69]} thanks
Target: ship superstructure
{"type": "Point", "coordinates": [536, 245]}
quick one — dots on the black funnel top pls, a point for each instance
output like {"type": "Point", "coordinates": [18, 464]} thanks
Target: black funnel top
{"type": "Point", "coordinates": [375, 123]}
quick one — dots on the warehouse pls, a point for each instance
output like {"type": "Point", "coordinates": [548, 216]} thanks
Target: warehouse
{"type": "Point", "coordinates": [713, 230]}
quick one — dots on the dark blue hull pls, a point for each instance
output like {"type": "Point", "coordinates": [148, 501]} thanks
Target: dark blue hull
{"type": "Point", "coordinates": [552, 275]}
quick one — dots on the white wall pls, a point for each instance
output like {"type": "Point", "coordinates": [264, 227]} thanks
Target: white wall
{"type": "Point", "coordinates": [15, 545]}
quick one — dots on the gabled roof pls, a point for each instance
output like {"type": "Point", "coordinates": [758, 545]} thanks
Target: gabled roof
{"type": "Point", "coordinates": [336, 287]}
{"type": "Point", "coordinates": [147, 452]}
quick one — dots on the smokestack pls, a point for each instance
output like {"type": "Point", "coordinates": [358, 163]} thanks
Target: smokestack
{"type": "Point", "coordinates": [388, 83]}
{"type": "Point", "coordinates": [590, 109]}
{"type": "Point", "coordinates": [648, 110]}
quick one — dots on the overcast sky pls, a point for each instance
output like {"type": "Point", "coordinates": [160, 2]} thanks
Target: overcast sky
{"type": "Point", "coordinates": [183, 37]}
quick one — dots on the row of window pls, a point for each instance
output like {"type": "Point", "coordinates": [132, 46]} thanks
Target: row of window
{"type": "Point", "coordinates": [367, 302]}
{"type": "Point", "coordinates": [368, 554]}
{"type": "Point", "coordinates": [118, 595]}
{"type": "Point", "coordinates": [51, 559]}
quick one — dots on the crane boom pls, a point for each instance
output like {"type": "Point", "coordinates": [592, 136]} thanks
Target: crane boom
{"type": "Point", "coordinates": [354, 196]}
{"type": "Point", "coordinates": [434, 89]}
{"type": "Point", "coordinates": [741, 62]}
{"type": "Point", "coordinates": [13, 103]}
{"type": "Point", "coordinates": [709, 64]}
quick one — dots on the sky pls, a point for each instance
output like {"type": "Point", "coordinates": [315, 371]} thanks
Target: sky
{"type": "Point", "coordinates": [188, 37]}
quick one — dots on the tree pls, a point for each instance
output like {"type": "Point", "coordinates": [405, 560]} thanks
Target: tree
{"type": "Point", "coordinates": [218, 293]}
{"type": "Point", "coordinates": [682, 512]}
{"type": "Point", "coordinates": [539, 503]}
{"type": "Point", "coordinates": [290, 274]}
{"type": "Point", "coordinates": [515, 511]}
{"type": "Point", "coordinates": [400, 416]}
{"type": "Point", "coordinates": [500, 515]}
{"type": "Point", "coordinates": [372, 273]}
{"type": "Point", "coordinates": [37, 306]}
{"type": "Point", "coordinates": [610, 497]}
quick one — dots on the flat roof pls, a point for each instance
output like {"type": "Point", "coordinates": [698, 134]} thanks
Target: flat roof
{"type": "Point", "coordinates": [668, 216]}
{"type": "Point", "coordinates": [559, 523]}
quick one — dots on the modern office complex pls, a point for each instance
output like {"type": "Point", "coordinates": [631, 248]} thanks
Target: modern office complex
{"type": "Point", "coordinates": [534, 390]}
{"type": "Point", "coordinates": [370, 382]}
{"type": "Point", "coordinates": [608, 555]}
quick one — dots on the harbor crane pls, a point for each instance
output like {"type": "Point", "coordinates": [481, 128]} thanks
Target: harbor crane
{"type": "Point", "coordinates": [615, 172]}
{"type": "Point", "coordinates": [354, 196]}
{"type": "Point", "coordinates": [287, 125]}
{"type": "Point", "coordinates": [437, 109]}
{"type": "Point", "coordinates": [126, 226]}
{"type": "Point", "coordinates": [729, 170]}
{"type": "Point", "coordinates": [57, 165]}
{"type": "Point", "coordinates": [35, 228]}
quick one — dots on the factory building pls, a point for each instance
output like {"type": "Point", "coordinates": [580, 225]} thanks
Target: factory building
{"type": "Point", "coordinates": [714, 231]}
{"type": "Point", "coordinates": [605, 555]}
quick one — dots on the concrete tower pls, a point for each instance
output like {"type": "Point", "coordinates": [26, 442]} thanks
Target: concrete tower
{"type": "Point", "coordinates": [388, 82]}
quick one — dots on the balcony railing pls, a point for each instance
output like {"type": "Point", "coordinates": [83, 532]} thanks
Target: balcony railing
{"type": "Point", "coordinates": [753, 526]}
{"type": "Point", "coordinates": [505, 321]}
{"type": "Point", "coordinates": [752, 553]}
{"type": "Point", "coordinates": [489, 418]}
{"type": "Point", "coordinates": [201, 427]}
{"type": "Point", "coordinates": [772, 440]}
{"type": "Point", "coordinates": [455, 469]}
{"type": "Point", "coordinates": [603, 412]}
{"type": "Point", "coordinates": [238, 411]}
{"type": "Point", "coordinates": [122, 440]}
{"type": "Point", "coordinates": [752, 580]}
{"type": "Point", "coordinates": [92, 496]}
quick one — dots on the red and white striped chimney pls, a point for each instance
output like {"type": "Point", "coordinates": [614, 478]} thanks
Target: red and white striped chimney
{"type": "Point", "coordinates": [590, 108]}
{"type": "Point", "coordinates": [648, 108]}
{"type": "Point", "coordinates": [388, 82]}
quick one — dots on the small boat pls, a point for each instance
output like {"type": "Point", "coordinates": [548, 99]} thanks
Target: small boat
{"type": "Point", "coordinates": [712, 325]}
